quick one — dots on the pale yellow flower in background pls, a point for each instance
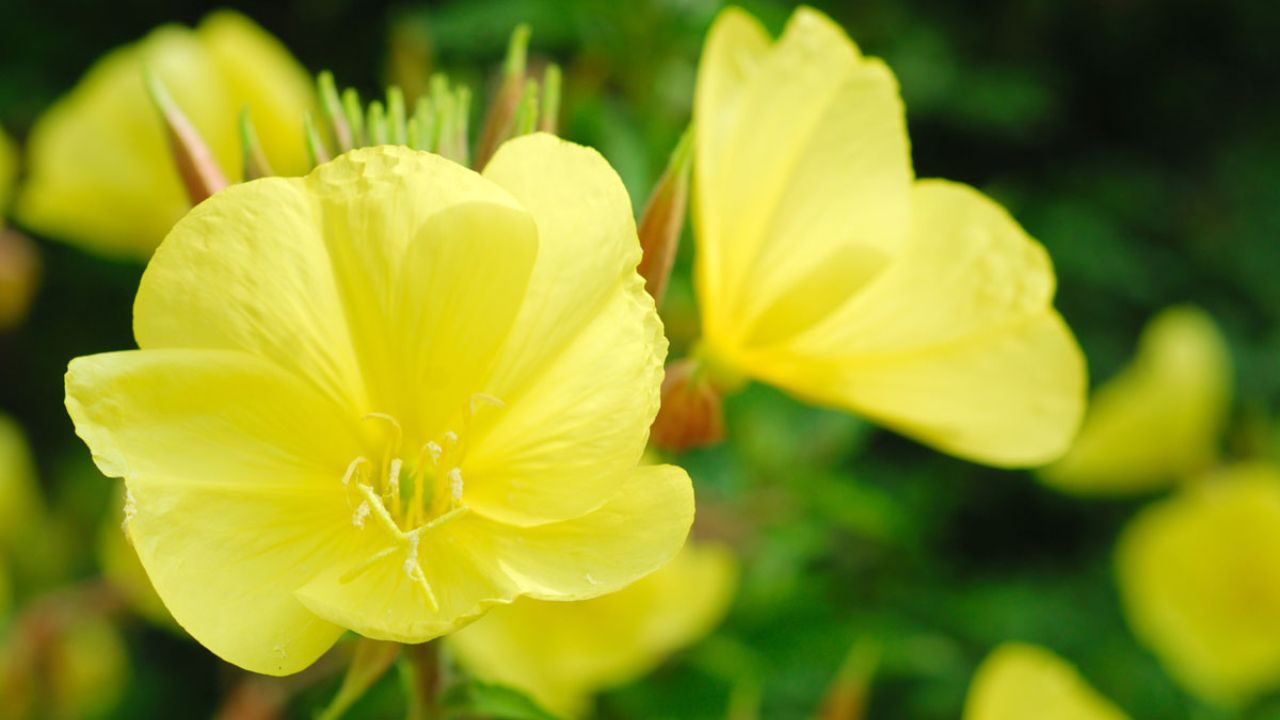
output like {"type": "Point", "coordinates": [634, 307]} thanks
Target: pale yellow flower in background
{"type": "Point", "coordinates": [825, 268]}
{"type": "Point", "coordinates": [120, 566]}
{"type": "Point", "coordinates": [1160, 419]}
{"type": "Point", "coordinates": [562, 654]}
{"type": "Point", "coordinates": [1199, 574]}
{"type": "Point", "coordinates": [1022, 682]}
{"type": "Point", "coordinates": [386, 397]}
{"type": "Point", "coordinates": [8, 172]}
{"type": "Point", "coordinates": [100, 173]}
{"type": "Point", "coordinates": [21, 506]}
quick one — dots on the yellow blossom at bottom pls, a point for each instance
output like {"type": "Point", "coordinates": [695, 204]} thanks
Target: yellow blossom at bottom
{"type": "Point", "coordinates": [561, 654]}
{"type": "Point", "coordinates": [1199, 574]}
{"type": "Point", "coordinates": [1026, 682]}
{"type": "Point", "coordinates": [386, 398]}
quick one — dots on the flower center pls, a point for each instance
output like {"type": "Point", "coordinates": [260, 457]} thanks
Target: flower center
{"type": "Point", "coordinates": [408, 494]}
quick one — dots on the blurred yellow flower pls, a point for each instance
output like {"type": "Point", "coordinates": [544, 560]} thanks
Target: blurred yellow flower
{"type": "Point", "coordinates": [8, 172]}
{"type": "Point", "coordinates": [120, 566]}
{"type": "Point", "coordinates": [21, 507]}
{"type": "Point", "coordinates": [561, 654]}
{"type": "Point", "coordinates": [100, 171]}
{"type": "Point", "coordinates": [1199, 574]}
{"type": "Point", "coordinates": [1020, 682]}
{"type": "Point", "coordinates": [826, 269]}
{"type": "Point", "coordinates": [1160, 419]}
{"type": "Point", "coordinates": [386, 397]}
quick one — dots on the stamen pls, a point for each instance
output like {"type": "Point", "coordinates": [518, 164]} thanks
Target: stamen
{"type": "Point", "coordinates": [451, 515]}
{"type": "Point", "coordinates": [421, 579]}
{"type": "Point", "coordinates": [369, 562]}
{"type": "Point", "coordinates": [387, 419]}
{"type": "Point", "coordinates": [434, 448]}
{"type": "Point", "coordinates": [351, 469]}
{"type": "Point", "coordinates": [393, 484]}
{"type": "Point", "coordinates": [451, 437]}
{"type": "Point", "coordinates": [411, 559]}
{"type": "Point", "coordinates": [380, 511]}
{"type": "Point", "coordinates": [361, 513]}
{"type": "Point", "coordinates": [455, 484]}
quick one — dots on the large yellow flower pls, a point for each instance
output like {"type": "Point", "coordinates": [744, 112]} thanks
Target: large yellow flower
{"type": "Point", "coordinates": [826, 269]}
{"type": "Point", "coordinates": [387, 397]}
{"type": "Point", "coordinates": [1160, 419]}
{"type": "Point", "coordinates": [561, 654]}
{"type": "Point", "coordinates": [1199, 574]}
{"type": "Point", "coordinates": [100, 171]}
{"type": "Point", "coordinates": [1019, 682]}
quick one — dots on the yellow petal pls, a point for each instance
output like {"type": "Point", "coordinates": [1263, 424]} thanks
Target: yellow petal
{"type": "Point", "coordinates": [471, 564]}
{"type": "Point", "coordinates": [260, 74]}
{"type": "Point", "coordinates": [1018, 682]}
{"type": "Point", "coordinates": [375, 202]}
{"type": "Point", "coordinates": [1158, 420]}
{"type": "Point", "coordinates": [361, 241]}
{"type": "Point", "coordinates": [956, 344]}
{"type": "Point", "coordinates": [234, 470]}
{"type": "Point", "coordinates": [803, 175]}
{"type": "Point", "coordinates": [634, 533]}
{"type": "Point", "coordinates": [100, 172]}
{"type": "Point", "coordinates": [562, 653]}
{"type": "Point", "coordinates": [581, 370]}
{"type": "Point", "coordinates": [1199, 575]}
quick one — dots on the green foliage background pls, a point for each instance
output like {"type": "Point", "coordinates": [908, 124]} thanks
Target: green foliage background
{"type": "Point", "coordinates": [1138, 139]}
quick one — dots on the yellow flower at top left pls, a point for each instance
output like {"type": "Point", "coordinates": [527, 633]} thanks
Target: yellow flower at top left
{"type": "Point", "coordinates": [99, 170]}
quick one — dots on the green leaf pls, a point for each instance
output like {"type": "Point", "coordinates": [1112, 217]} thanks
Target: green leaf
{"type": "Point", "coordinates": [475, 699]}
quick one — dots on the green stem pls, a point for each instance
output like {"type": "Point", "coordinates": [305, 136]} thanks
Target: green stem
{"type": "Point", "coordinates": [424, 680]}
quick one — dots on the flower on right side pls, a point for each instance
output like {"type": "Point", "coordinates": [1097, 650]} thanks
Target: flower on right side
{"type": "Point", "coordinates": [825, 268]}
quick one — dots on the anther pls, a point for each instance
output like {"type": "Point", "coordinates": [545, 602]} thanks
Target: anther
{"type": "Point", "coordinates": [361, 513]}
{"type": "Point", "coordinates": [434, 448]}
{"type": "Point", "coordinates": [351, 469]}
{"type": "Point", "coordinates": [395, 425]}
{"type": "Point", "coordinates": [455, 484]}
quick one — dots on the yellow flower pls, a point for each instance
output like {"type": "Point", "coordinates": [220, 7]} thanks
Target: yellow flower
{"type": "Point", "coordinates": [120, 566]}
{"type": "Point", "coordinates": [561, 654]}
{"type": "Point", "coordinates": [826, 269]}
{"type": "Point", "coordinates": [8, 171]}
{"type": "Point", "coordinates": [100, 171]}
{"type": "Point", "coordinates": [1158, 420]}
{"type": "Point", "coordinates": [386, 397]}
{"type": "Point", "coordinates": [1199, 574]}
{"type": "Point", "coordinates": [1019, 682]}
{"type": "Point", "coordinates": [21, 507]}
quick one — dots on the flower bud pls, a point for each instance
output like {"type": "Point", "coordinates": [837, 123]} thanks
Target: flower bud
{"type": "Point", "coordinates": [663, 219]}
{"type": "Point", "coordinates": [691, 414]}
{"type": "Point", "coordinates": [200, 173]}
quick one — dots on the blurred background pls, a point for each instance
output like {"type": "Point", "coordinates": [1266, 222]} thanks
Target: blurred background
{"type": "Point", "coordinates": [1138, 140]}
